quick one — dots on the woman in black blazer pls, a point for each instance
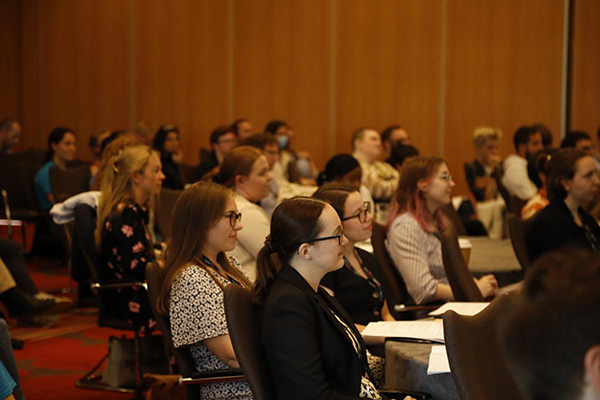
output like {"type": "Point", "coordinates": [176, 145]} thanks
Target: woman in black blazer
{"type": "Point", "coordinates": [572, 183]}
{"type": "Point", "coordinates": [313, 349]}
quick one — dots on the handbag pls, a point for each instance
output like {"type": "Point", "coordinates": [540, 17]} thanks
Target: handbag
{"type": "Point", "coordinates": [120, 366]}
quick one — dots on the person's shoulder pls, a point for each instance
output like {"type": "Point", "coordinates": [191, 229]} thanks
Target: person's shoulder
{"type": "Point", "coordinates": [44, 171]}
{"type": "Point", "coordinates": [403, 221]}
{"type": "Point", "coordinates": [191, 273]}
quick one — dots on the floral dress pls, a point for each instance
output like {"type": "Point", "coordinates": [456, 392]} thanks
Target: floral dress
{"type": "Point", "coordinates": [126, 247]}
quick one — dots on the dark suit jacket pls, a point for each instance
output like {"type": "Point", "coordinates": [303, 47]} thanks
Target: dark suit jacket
{"type": "Point", "coordinates": [555, 227]}
{"type": "Point", "coordinates": [309, 354]}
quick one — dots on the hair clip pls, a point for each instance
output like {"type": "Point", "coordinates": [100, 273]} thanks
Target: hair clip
{"type": "Point", "coordinates": [115, 166]}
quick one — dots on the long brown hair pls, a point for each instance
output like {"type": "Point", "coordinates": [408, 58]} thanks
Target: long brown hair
{"type": "Point", "coordinates": [335, 194]}
{"type": "Point", "coordinates": [196, 212]}
{"type": "Point", "coordinates": [409, 197]}
{"type": "Point", "coordinates": [238, 161]}
{"type": "Point", "coordinates": [294, 221]}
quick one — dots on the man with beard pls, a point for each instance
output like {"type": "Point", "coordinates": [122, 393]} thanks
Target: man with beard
{"type": "Point", "coordinates": [527, 141]}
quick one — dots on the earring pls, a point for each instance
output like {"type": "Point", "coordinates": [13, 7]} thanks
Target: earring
{"type": "Point", "coordinates": [310, 257]}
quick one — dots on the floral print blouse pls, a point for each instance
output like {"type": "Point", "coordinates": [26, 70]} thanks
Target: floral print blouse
{"type": "Point", "coordinates": [126, 247]}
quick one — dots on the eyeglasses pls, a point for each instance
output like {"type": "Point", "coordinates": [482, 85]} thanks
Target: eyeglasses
{"type": "Point", "coordinates": [446, 177]}
{"type": "Point", "coordinates": [338, 237]}
{"type": "Point", "coordinates": [362, 214]}
{"type": "Point", "coordinates": [233, 218]}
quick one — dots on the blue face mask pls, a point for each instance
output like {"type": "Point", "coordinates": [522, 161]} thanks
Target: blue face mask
{"type": "Point", "coordinates": [283, 141]}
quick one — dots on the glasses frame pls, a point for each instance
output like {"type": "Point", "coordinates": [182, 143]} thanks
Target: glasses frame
{"type": "Point", "coordinates": [366, 210]}
{"type": "Point", "coordinates": [338, 237]}
{"type": "Point", "coordinates": [447, 178]}
{"type": "Point", "coordinates": [233, 218]}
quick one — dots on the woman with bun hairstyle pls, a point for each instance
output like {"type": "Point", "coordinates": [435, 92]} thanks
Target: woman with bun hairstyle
{"type": "Point", "coordinates": [206, 224]}
{"type": "Point", "coordinates": [128, 189]}
{"type": "Point", "coordinates": [313, 348]}
{"type": "Point", "coordinates": [414, 231]}
{"type": "Point", "coordinates": [245, 170]}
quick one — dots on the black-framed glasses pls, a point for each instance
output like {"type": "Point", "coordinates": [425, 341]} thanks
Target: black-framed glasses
{"type": "Point", "coordinates": [338, 237]}
{"type": "Point", "coordinates": [362, 214]}
{"type": "Point", "coordinates": [233, 217]}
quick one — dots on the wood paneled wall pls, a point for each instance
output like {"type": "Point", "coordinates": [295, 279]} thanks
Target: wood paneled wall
{"type": "Point", "coordinates": [438, 67]}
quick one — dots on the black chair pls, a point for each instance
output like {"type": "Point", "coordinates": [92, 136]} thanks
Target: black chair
{"type": "Point", "coordinates": [69, 182]}
{"type": "Point", "coordinates": [460, 278]}
{"type": "Point", "coordinates": [164, 211]}
{"type": "Point", "coordinates": [399, 301]}
{"type": "Point", "coordinates": [189, 173]}
{"type": "Point", "coordinates": [155, 275]}
{"type": "Point", "coordinates": [479, 366]}
{"type": "Point", "coordinates": [518, 229]}
{"type": "Point", "coordinates": [109, 308]}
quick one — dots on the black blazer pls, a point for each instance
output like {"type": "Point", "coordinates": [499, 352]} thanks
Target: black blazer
{"type": "Point", "coordinates": [555, 227]}
{"type": "Point", "coordinates": [309, 354]}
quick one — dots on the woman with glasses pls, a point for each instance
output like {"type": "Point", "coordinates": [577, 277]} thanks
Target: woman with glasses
{"type": "Point", "coordinates": [414, 231]}
{"type": "Point", "coordinates": [197, 271]}
{"type": "Point", "coordinates": [357, 284]}
{"type": "Point", "coordinates": [246, 170]}
{"type": "Point", "coordinates": [166, 142]}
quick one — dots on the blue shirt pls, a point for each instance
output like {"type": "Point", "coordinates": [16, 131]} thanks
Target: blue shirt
{"type": "Point", "coordinates": [7, 383]}
{"type": "Point", "coordinates": [42, 186]}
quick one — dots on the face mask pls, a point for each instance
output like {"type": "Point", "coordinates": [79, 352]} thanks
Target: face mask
{"type": "Point", "coordinates": [283, 141]}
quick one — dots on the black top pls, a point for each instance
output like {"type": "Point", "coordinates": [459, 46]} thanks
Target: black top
{"type": "Point", "coordinates": [310, 355]}
{"type": "Point", "coordinates": [555, 227]}
{"type": "Point", "coordinates": [208, 163]}
{"type": "Point", "coordinates": [171, 171]}
{"type": "Point", "coordinates": [359, 296]}
{"type": "Point", "coordinates": [475, 170]}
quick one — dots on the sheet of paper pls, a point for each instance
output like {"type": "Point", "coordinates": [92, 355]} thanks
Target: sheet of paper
{"type": "Point", "coordinates": [432, 330]}
{"type": "Point", "coordinates": [469, 309]}
{"type": "Point", "coordinates": [438, 361]}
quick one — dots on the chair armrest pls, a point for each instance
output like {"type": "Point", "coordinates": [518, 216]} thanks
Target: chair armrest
{"type": "Point", "coordinates": [401, 394]}
{"type": "Point", "coordinates": [118, 285]}
{"type": "Point", "coordinates": [220, 375]}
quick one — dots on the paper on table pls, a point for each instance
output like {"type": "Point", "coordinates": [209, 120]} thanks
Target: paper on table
{"type": "Point", "coordinates": [460, 308]}
{"type": "Point", "coordinates": [438, 361]}
{"type": "Point", "coordinates": [432, 330]}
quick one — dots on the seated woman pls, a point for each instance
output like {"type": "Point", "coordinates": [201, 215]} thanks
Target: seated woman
{"type": "Point", "coordinates": [572, 183]}
{"type": "Point", "coordinates": [537, 169]}
{"type": "Point", "coordinates": [128, 190]}
{"type": "Point", "coordinates": [414, 230]}
{"type": "Point", "coordinates": [313, 348]}
{"type": "Point", "coordinates": [246, 170]}
{"type": "Point", "coordinates": [356, 285]}
{"type": "Point", "coordinates": [206, 223]}
{"type": "Point", "coordinates": [166, 142]}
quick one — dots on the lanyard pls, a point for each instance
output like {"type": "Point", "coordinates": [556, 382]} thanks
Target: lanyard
{"type": "Point", "coordinates": [370, 277]}
{"type": "Point", "coordinates": [208, 263]}
{"type": "Point", "coordinates": [589, 235]}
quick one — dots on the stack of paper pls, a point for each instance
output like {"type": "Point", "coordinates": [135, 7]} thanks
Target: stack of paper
{"type": "Point", "coordinates": [469, 309]}
{"type": "Point", "coordinates": [438, 361]}
{"type": "Point", "coordinates": [431, 330]}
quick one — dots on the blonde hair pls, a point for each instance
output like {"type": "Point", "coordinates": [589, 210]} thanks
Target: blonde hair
{"type": "Point", "coordinates": [482, 134]}
{"type": "Point", "coordinates": [116, 185]}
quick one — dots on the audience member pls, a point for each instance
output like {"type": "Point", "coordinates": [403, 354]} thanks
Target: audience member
{"type": "Point", "coordinates": [166, 142]}
{"type": "Point", "coordinates": [357, 284]}
{"type": "Point", "coordinates": [552, 336]}
{"type": "Point", "coordinates": [242, 128]}
{"type": "Point", "coordinates": [547, 137]}
{"type": "Point", "coordinates": [246, 170]}
{"type": "Point", "coordinates": [527, 141]}
{"type": "Point", "coordinates": [10, 134]}
{"type": "Point", "coordinates": [578, 140]}
{"type": "Point", "coordinates": [399, 154]}
{"type": "Point", "coordinates": [128, 190]}
{"type": "Point", "coordinates": [143, 130]}
{"type": "Point", "coordinates": [414, 228]}
{"type": "Point", "coordinates": [95, 144]}
{"type": "Point", "coordinates": [61, 151]}
{"type": "Point", "coordinates": [312, 345]}
{"type": "Point", "coordinates": [572, 183]}
{"type": "Point", "coordinates": [270, 149]}
{"type": "Point", "coordinates": [111, 149]}
{"type": "Point", "coordinates": [197, 270]}
{"type": "Point", "coordinates": [481, 175]}
{"type": "Point", "coordinates": [380, 178]}
{"type": "Point", "coordinates": [222, 140]}
{"type": "Point", "coordinates": [392, 136]}
{"type": "Point", "coordinates": [537, 169]}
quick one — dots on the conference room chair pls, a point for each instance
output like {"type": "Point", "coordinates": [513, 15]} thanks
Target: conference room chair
{"type": "Point", "coordinates": [478, 365]}
{"type": "Point", "coordinates": [191, 378]}
{"type": "Point", "coordinates": [518, 229]}
{"type": "Point", "coordinates": [515, 205]}
{"type": "Point", "coordinates": [189, 173]}
{"type": "Point", "coordinates": [452, 215]}
{"type": "Point", "coordinates": [164, 211]}
{"type": "Point", "coordinates": [400, 303]}
{"type": "Point", "coordinates": [460, 278]}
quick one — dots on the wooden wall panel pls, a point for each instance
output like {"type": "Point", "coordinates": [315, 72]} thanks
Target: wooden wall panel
{"type": "Point", "coordinates": [181, 67]}
{"type": "Point", "coordinates": [585, 73]}
{"type": "Point", "coordinates": [31, 136]}
{"type": "Point", "coordinates": [281, 63]}
{"type": "Point", "coordinates": [388, 69]}
{"type": "Point", "coordinates": [504, 66]}
{"type": "Point", "coordinates": [84, 67]}
{"type": "Point", "coordinates": [10, 61]}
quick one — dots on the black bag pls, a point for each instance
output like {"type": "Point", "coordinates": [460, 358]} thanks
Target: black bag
{"type": "Point", "coordinates": [120, 367]}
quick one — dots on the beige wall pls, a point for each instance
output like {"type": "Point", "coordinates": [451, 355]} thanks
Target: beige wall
{"type": "Point", "coordinates": [437, 67]}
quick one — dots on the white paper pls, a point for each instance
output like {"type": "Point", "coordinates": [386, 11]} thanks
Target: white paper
{"type": "Point", "coordinates": [464, 243]}
{"type": "Point", "coordinates": [469, 309]}
{"type": "Point", "coordinates": [432, 330]}
{"type": "Point", "coordinates": [438, 361]}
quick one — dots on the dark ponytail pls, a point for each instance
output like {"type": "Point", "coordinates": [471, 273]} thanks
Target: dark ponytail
{"type": "Point", "coordinates": [294, 221]}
